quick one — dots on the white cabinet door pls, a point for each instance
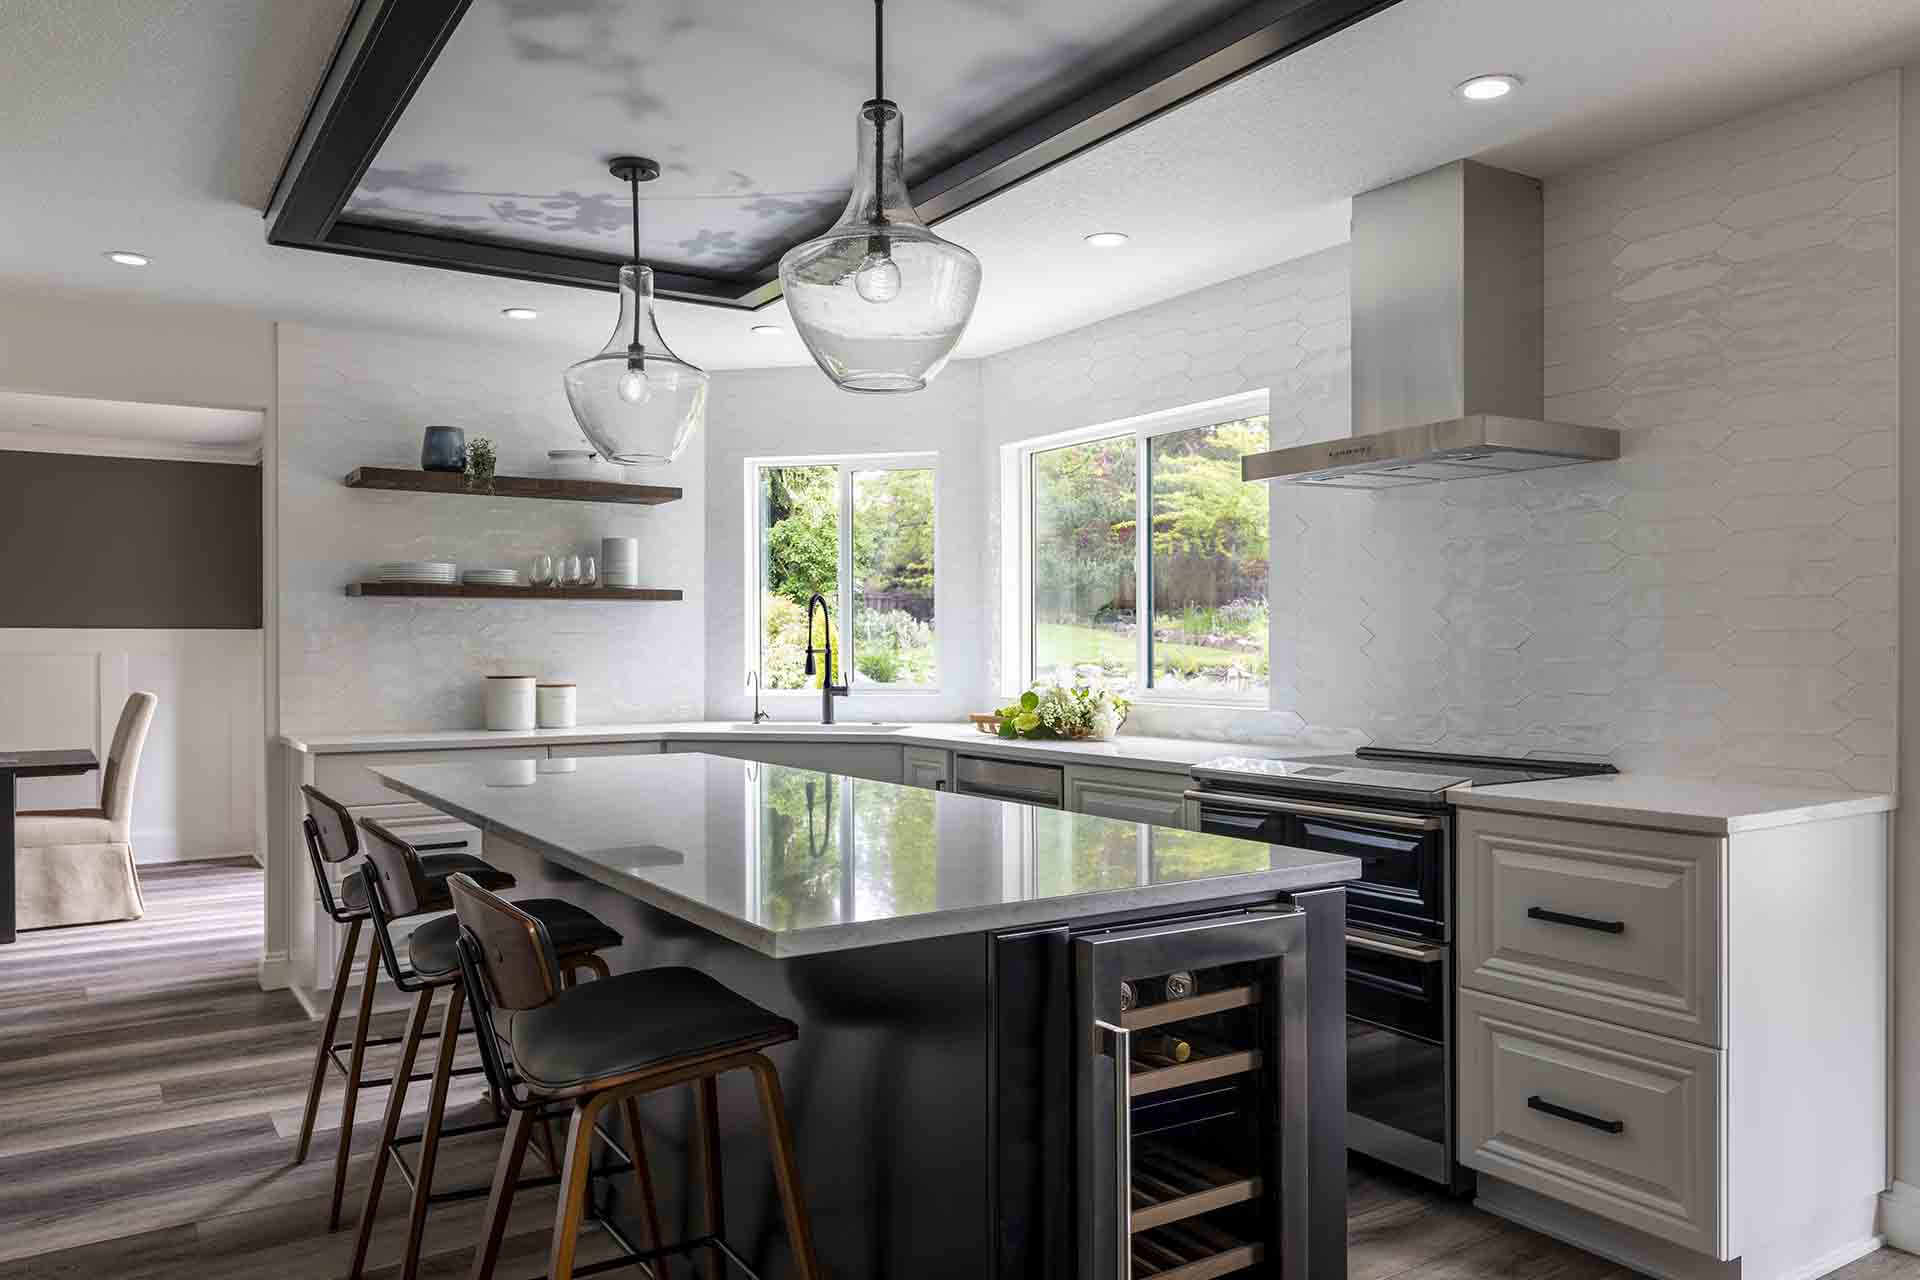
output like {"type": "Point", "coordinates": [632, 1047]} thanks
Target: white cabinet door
{"type": "Point", "coordinates": [925, 767]}
{"type": "Point", "coordinates": [1619, 923]}
{"type": "Point", "coordinates": [1619, 1123]}
{"type": "Point", "coordinates": [1131, 795]}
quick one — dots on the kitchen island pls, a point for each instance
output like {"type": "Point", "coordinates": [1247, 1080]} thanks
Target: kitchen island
{"type": "Point", "coordinates": [925, 944]}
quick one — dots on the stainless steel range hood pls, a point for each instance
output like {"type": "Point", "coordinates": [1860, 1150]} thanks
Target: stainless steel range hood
{"type": "Point", "coordinates": [1448, 349]}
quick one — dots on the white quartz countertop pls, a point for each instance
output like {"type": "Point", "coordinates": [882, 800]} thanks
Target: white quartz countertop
{"type": "Point", "coordinates": [794, 861]}
{"type": "Point", "coordinates": [1167, 755]}
{"type": "Point", "coordinates": [1674, 804]}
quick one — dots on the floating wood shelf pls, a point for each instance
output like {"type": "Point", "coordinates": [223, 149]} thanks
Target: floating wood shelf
{"type": "Point", "coordinates": [550, 487]}
{"type": "Point", "coordinates": [464, 591]}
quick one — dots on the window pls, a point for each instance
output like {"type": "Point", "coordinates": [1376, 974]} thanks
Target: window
{"type": "Point", "coordinates": [860, 532]}
{"type": "Point", "coordinates": [1082, 566]}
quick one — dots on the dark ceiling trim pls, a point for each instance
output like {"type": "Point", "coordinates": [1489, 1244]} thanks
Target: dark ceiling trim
{"type": "Point", "coordinates": [390, 45]}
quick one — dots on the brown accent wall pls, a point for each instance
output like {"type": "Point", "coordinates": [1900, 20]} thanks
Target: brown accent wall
{"type": "Point", "coordinates": [128, 542]}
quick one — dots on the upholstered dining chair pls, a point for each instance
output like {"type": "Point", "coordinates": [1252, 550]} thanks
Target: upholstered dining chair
{"type": "Point", "coordinates": [75, 866]}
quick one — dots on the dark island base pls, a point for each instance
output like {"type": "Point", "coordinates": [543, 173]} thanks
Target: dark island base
{"type": "Point", "coordinates": [892, 1094]}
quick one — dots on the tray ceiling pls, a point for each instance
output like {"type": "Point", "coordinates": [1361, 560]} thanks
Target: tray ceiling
{"type": "Point", "coordinates": [749, 108]}
{"type": "Point", "coordinates": [474, 134]}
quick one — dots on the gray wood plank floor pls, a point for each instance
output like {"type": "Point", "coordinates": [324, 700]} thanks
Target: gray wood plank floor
{"type": "Point", "coordinates": [149, 1092]}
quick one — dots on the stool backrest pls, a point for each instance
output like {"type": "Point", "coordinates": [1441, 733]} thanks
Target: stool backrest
{"type": "Point", "coordinates": [339, 840]}
{"type": "Point", "coordinates": [514, 953]}
{"type": "Point", "coordinates": [397, 877]}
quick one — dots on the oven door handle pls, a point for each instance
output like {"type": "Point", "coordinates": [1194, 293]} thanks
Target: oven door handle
{"type": "Point", "coordinates": [1302, 808]}
{"type": "Point", "coordinates": [1419, 953]}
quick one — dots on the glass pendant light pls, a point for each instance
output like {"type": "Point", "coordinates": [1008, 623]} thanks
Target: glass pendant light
{"type": "Point", "coordinates": [636, 400]}
{"type": "Point", "coordinates": [880, 300]}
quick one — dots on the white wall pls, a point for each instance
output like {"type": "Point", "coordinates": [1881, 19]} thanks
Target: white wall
{"type": "Point", "coordinates": [53, 344]}
{"type": "Point", "coordinates": [1902, 1216]}
{"type": "Point", "coordinates": [348, 399]}
{"type": "Point", "coordinates": [199, 778]}
{"type": "Point", "coordinates": [779, 412]}
{"type": "Point", "coordinates": [1719, 602]}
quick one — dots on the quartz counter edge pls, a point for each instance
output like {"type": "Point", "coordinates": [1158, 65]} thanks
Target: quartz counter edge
{"type": "Point", "coordinates": [1309, 869]}
{"type": "Point", "coordinates": [1699, 805]}
{"type": "Point", "coordinates": [1168, 755]}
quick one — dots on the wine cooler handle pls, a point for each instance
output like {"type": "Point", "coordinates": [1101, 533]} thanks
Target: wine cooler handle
{"type": "Point", "coordinates": [1120, 1044]}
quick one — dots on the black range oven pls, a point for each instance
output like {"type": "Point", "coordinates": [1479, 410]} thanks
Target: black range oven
{"type": "Point", "coordinates": [1390, 809]}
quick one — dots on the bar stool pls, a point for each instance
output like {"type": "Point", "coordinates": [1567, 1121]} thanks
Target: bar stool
{"type": "Point", "coordinates": [400, 889]}
{"type": "Point", "coordinates": [604, 1043]}
{"type": "Point", "coordinates": [333, 838]}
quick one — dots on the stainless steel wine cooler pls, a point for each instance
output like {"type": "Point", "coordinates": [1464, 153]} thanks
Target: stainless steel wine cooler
{"type": "Point", "coordinates": [1204, 1077]}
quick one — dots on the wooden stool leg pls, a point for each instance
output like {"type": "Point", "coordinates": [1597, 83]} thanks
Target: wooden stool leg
{"type": "Point", "coordinates": [342, 974]}
{"type": "Point", "coordinates": [707, 1118]}
{"type": "Point", "coordinates": [773, 1110]}
{"type": "Point", "coordinates": [396, 1101]}
{"type": "Point", "coordinates": [643, 1179]}
{"type": "Point", "coordinates": [354, 1063]}
{"type": "Point", "coordinates": [430, 1133]}
{"type": "Point", "coordinates": [576, 1177]}
{"type": "Point", "coordinates": [506, 1179]}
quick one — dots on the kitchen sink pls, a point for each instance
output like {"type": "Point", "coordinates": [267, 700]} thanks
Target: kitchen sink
{"type": "Point", "coordinates": [803, 726]}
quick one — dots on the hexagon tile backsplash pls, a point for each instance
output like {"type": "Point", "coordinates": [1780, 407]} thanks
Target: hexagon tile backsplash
{"type": "Point", "coordinates": [1721, 601]}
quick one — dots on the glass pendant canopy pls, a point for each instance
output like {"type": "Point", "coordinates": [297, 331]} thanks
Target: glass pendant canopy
{"type": "Point", "coordinates": [637, 401]}
{"type": "Point", "coordinates": [880, 300]}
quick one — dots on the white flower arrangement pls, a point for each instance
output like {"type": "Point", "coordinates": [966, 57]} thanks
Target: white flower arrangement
{"type": "Point", "coordinates": [1058, 710]}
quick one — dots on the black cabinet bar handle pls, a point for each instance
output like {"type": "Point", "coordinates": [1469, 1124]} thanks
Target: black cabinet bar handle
{"type": "Point", "coordinates": [1578, 922]}
{"type": "Point", "coordinates": [1539, 1103]}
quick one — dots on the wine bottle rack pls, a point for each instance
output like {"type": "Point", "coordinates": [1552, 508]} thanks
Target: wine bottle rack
{"type": "Point", "coordinates": [1170, 1185]}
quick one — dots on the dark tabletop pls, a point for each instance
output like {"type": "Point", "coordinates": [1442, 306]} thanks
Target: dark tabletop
{"type": "Point", "coordinates": [47, 764]}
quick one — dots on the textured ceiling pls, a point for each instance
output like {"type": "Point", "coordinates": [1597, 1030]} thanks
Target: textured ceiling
{"type": "Point", "coordinates": [158, 125]}
{"type": "Point", "coordinates": [750, 108]}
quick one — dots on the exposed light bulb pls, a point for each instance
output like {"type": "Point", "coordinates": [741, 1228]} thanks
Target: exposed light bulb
{"type": "Point", "coordinates": [878, 277]}
{"type": "Point", "coordinates": [632, 386]}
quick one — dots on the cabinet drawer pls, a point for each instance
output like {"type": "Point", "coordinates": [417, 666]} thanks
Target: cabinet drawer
{"type": "Point", "coordinates": [1618, 923]}
{"type": "Point", "coordinates": [924, 767]}
{"type": "Point", "coordinates": [1130, 795]}
{"type": "Point", "coordinates": [1620, 1123]}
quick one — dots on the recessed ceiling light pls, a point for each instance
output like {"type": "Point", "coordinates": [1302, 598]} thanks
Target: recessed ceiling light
{"type": "Point", "coordinates": [520, 313]}
{"type": "Point", "coordinates": [1487, 88]}
{"type": "Point", "coordinates": [1107, 239]}
{"type": "Point", "coordinates": [127, 259]}
{"type": "Point", "coordinates": [767, 330]}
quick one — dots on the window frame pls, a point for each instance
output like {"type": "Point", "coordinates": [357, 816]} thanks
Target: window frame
{"type": "Point", "coordinates": [756, 543]}
{"type": "Point", "coordinates": [1018, 635]}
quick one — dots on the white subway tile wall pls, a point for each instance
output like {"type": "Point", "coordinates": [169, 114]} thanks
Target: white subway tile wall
{"type": "Point", "coordinates": [352, 399]}
{"type": "Point", "coordinates": [1719, 602]}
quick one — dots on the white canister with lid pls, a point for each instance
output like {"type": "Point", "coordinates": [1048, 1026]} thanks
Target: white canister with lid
{"type": "Point", "coordinates": [559, 705]}
{"type": "Point", "coordinates": [509, 703]}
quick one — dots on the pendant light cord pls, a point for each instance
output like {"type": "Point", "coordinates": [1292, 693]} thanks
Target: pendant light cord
{"type": "Point", "coordinates": [879, 109]}
{"type": "Point", "coordinates": [633, 182]}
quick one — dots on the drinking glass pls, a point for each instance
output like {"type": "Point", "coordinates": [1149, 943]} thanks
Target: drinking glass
{"type": "Point", "coordinates": [540, 574]}
{"type": "Point", "coordinates": [570, 575]}
{"type": "Point", "coordinates": [589, 571]}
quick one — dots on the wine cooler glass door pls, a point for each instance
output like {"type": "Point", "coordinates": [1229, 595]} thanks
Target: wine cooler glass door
{"type": "Point", "coordinates": [1192, 1070]}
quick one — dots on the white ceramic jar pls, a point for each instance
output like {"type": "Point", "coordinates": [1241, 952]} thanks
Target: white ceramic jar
{"type": "Point", "coordinates": [559, 705]}
{"type": "Point", "coordinates": [509, 703]}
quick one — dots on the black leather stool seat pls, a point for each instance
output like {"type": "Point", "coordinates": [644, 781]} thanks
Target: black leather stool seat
{"type": "Point", "coordinates": [433, 953]}
{"type": "Point", "coordinates": [437, 866]}
{"type": "Point", "coordinates": [632, 1021]}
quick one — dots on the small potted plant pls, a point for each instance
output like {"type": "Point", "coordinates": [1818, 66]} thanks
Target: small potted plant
{"type": "Point", "coordinates": [480, 460]}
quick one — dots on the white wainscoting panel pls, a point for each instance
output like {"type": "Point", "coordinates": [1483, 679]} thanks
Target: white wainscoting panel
{"type": "Point", "coordinates": [201, 775]}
